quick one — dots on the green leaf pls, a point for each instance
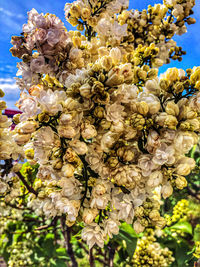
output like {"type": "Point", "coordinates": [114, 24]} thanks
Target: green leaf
{"type": "Point", "coordinates": [128, 228]}
{"type": "Point", "coordinates": [130, 239]}
{"type": "Point", "coordinates": [197, 233]}
{"type": "Point", "coordinates": [52, 262]}
{"type": "Point", "coordinates": [181, 254]}
{"type": "Point", "coordinates": [61, 251]}
{"type": "Point", "coordinates": [60, 263]}
{"type": "Point", "coordinates": [193, 151]}
{"type": "Point", "coordinates": [185, 227]}
{"type": "Point", "coordinates": [48, 244]}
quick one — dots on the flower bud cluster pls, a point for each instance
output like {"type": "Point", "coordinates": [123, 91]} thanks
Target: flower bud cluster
{"type": "Point", "coordinates": [9, 151]}
{"type": "Point", "coordinates": [20, 254]}
{"type": "Point", "coordinates": [87, 14]}
{"type": "Point", "coordinates": [197, 250]}
{"type": "Point", "coordinates": [180, 212]}
{"type": "Point", "coordinates": [157, 25]}
{"type": "Point", "coordinates": [149, 252]}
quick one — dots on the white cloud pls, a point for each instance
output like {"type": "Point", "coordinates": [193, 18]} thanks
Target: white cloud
{"type": "Point", "coordinates": [11, 90]}
{"type": "Point", "coordinates": [10, 14]}
{"type": "Point", "coordinates": [11, 104]}
{"type": "Point", "coordinates": [8, 85]}
{"type": "Point", "coordinates": [10, 21]}
{"type": "Point", "coordinates": [6, 80]}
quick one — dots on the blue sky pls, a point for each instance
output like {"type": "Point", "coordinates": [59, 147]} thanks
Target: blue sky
{"type": "Point", "coordinates": [13, 14]}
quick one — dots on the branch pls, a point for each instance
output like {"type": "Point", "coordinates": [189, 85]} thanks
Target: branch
{"type": "Point", "coordinates": [91, 258]}
{"type": "Point", "coordinates": [85, 175]}
{"type": "Point", "coordinates": [111, 256]}
{"type": "Point", "coordinates": [14, 206]}
{"type": "Point", "coordinates": [192, 193]}
{"type": "Point", "coordinates": [83, 247]}
{"type": "Point", "coordinates": [29, 188]}
{"type": "Point", "coordinates": [53, 223]}
{"type": "Point", "coordinates": [66, 234]}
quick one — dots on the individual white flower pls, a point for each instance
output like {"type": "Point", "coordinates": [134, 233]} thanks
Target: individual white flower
{"type": "Point", "coordinates": [66, 131]}
{"type": "Point", "coordinates": [79, 147]}
{"type": "Point", "coordinates": [114, 112]}
{"type": "Point", "coordinates": [43, 143]}
{"type": "Point", "coordinates": [111, 227]}
{"type": "Point", "coordinates": [152, 101]}
{"type": "Point", "coordinates": [127, 92]}
{"type": "Point", "coordinates": [68, 170]}
{"type": "Point", "coordinates": [146, 164]}
{"type": "Point", "coordinates": [21, 139]}
{"type": "Point", "coordinates": [167, 190]}
{"type": "Point", "coordinates": [108, 141]}
{"type": "Point", "coordinates": [155, 179]}
{"type": "Point", "coordinates": [71, 188]}
{"type": "Point", "coordinates": [168, 135]}
{"type": "Point", "coordinates": [181, 30]}
{"type": "Point", "coordinates": [153, 141]}
{"type": "Point", "coordinates": [116, 6]}
{"type": "Point", "coordinates": [124, 203]}
{"type": "Point", "coordinates": [37, 64]}
{"type": "Point", "coordinates": [5, 150]}
{"type": "Point", "coordinates": [184, 165]}
{"type": "Point", "coordinates": [44, 137]}
{"type": "Point", "coordinates": [164, 155]}
{"type": "Point", "coordinates": [93, 234]}
{"type": "Point", "coordinates": [88, 131]}
{"type": "Point", "coordinates": [103, 27]}
{"type": "Point", "coordinates": [100, 194]}
{"type": "Point", "coordinates": [118, 31]}
{"type": "Point", "coordinates": [153, 86]}
{"type": "Point", "coordinates": [115, 54]}
{"type": "Point", "coordinates": [49, 208]}
{"type": "Point", "coordinates": [195, 102]}
{"type": "Point", "coordinates": [51, 101]}
{"type": "Point", "coordinates": [138, 227]}
{"type": "Point", "coordinates": [177, 10]}
{"type": "Point", "coordinates": [26, 127]}
{"type": "Point", "coordinates": [46, 172]}
{"type": "Point", "coordinates": [3, 187]}
{"type": "Point", "coordinates": [28, 105]}
{"type": "Point", "coordinates": [89, 215]}
{"type": "Point", "coordinates": [184, 141]}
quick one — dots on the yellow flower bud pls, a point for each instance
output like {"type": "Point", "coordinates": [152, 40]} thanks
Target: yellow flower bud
{"type": "Point", "coordinates": [80, 27]}
{"type": "Point", "coordinates": [172, 74]}
{"type": "Point", "coordinates": [75, 11]}
{"type": "Point", "coordinates": [72, 21]}
{"type": "Point", "coordinates": [106, 62]}
{"type": "Point", "coordinates": [142, 107]}
{"type": "Point", "coordinates": [2, 93]}
{"type": "Point", "coordinates": [164, 84]}
{"type": "Point", "coordinates": [172, 108]}
{"type": "Point", "coordinates": [2, 105]}
{"type": "Point", "coordinates": [85, 13]}
{"type": "Point", "coordinates": [16, 118]}
{"type": "Point", "coordinates": [181, 182]}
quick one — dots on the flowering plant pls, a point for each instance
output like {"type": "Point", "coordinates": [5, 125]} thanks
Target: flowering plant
{"type": "Point", "coordinates": [105, 136]}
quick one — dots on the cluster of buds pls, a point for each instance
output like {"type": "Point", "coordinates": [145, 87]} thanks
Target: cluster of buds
{"type": "Point", "coordinates": [20, 254]}
{"type": "Point", "coordinates": [180, 212]}
{"type": "Point", "coordinates": [87, 14]}
{"type": "Point", "coordinates": [197, 250]}
{"type": "Point", "coordinates": [9, 151]}
{"type": "Point", "coordinates": [149, 252]}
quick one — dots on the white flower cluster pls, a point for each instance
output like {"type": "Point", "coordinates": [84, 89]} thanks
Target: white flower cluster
{"type": "Point", "coordinates": [9, 151]}
{"type": "Point", "coordinates": [106, 132]}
